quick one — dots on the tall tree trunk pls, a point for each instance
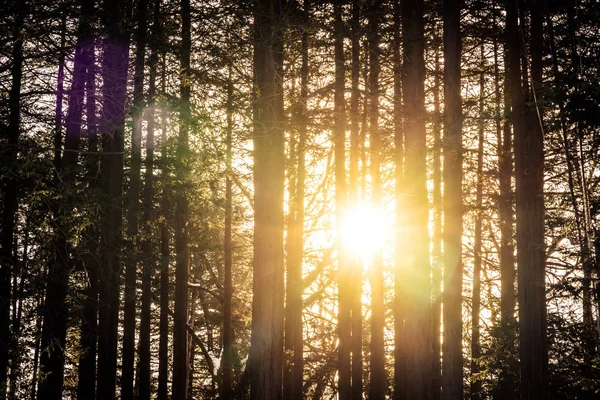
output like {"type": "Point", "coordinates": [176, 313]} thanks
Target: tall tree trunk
{"type": "Point", "coordinates": [86, 385]}
{"type": "Point", "coordinates": [576, 167]}
{"type": "Point", "coordinates": [163, 346]}
{"type": "Point", "coordinates": [452, 367]}
{"type": "Point", "coordinates": [507, 382]}
{"type": "Point", "coordinates": [114, 76]}
{"type": "Point", "coordinates": [58, 110]}
{"type": "Point", "coordinates": [437, 256]}
{"type": "Point", "coordinates": [9, 194]}
{"type": "Point", "coordinates": [294, 372]}
{"type": "Point", "coordinates": [415, 290]}
{"type": "Point", "coordinates": [475, 389]}
{"type": "Point", "coordinates": [131, 244]}
{"type": "Point", "coordinates": [533, 347]}
{"type": "Point", "coordinates": [148, 259]}
{"type": "Point", "coordinates": [356, 284]}
{"type": "Point", "coordinates": [227, 368]}
{"type": "Point", "coordinates": [266, 350]}
{"type": "Point", "coordinates": [17, 311]}
{"type": "Point", "coordinates": [400, 348]}
{"type": "Point", "coordinates": [54, 329]}
{"type": "Point", "coordinates": [378, 384]}
{"type": "Point", "coordinates": [339, 140]}
{"type": "Point", "coordinates": [36, 350]}
{"type": "Point", "coordinates": [180, 336]}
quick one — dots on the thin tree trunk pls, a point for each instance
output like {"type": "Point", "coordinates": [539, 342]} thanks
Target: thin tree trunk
{"type": "Point", "coordinates": [58, 110]}
{"type": "Point", "coordinates": [378, 384]}
{"type": "Point", "coordinates": [131, 244]}
{"type": "Point", "coordinates": [437, 256]}
{"type": "Point", "coordinates": [506, 382]}
{"type": "Point", "coordinates": [400, 303]}
{"type": "Point", "coordinates": [415, 290]}
{"type": "Point", "coordinates": [266, 350]}
{"type": "Point", "coordinates": [294, 372]}
{"type": "Point", "coordinates": [356, 284]}
{"type": "Point", "coordinates": [54, 329]}
{"type": "Point", "coordinates": [163, 346]}
{"type": "Point", "coordinates": [529, 151]}
{"type": "Point", "coordinates": [227, 368]}
{"type": "Point", "coordinates": [10, 199]}
{"type": "Point", "coordinates": [114, 76]}
{"type": "Point", "coordinates": [86, 386]}
{"type": "Point", "coordinates": [475, 389]}
{"type": "Point", "coordinates": [18, 288]}
{"type": "Point", "coordinates": [180, 336]}
{"type": "Point", "coordinates": [452, 361]}
{"type": "Point", "coordinates": [36, 351]}
{"type": "Point", "coordinates": [148, 259]}
{"type": "Point", "coordinates": [339, 133]}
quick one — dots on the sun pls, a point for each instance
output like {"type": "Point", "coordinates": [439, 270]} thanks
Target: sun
{"type": "Point", "coordinates": [363, 231]}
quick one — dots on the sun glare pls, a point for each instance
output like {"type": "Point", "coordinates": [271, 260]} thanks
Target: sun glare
{"type": "Point", "coordinates": [363, 231]}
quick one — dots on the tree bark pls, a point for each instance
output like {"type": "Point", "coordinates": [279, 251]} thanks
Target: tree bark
{"type": "Point", "coordinates": [163, 346]}
{"type": "Point", "coordinates": [533, 347]}
{"type": "Point", "coordinates": [415, 286]}
{"type": "Point", "coordinates": [180, 336]}
{"type": "Point", "coordinates": [266, 350]}
{"type": "Point", "coordinates": [114, 75]}
{"type": "Point", "coordinates": [437, 255]}
{"type": "Point", "coordinates": [54, 328]}
{"type": "Point", "coordinates": [131, 244]}
{"type": "Point", "coordinates": [378, 384]}
{"type": "Point", "coordinates": [9, 195]}
{"type": "Point", "coordinates": [452, 361]}
{"type": "Point", "coordinates": [148, 259]}
{"type": "Point", "coordinates": [339, 143]}
{"type": "Point", "coordinates": [294, 372]}
{"type": "Point", "coordinates": [86, 386]}
{"type": "Point", "coordinates": [356, 284]}
{"type": "Point", "coordinates": [227, 368]}
{"type": "Point", "coordinates": [475, 389]}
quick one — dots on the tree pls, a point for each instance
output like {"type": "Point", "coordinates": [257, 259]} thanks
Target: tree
{"type": "Point", "coordinates": [114, 90]}
{"type": "Point", "coordinates": [415, 279]}
{"type": "Point", "coordinates": [180, 335]}
{"type": "Point", "coordinates": [9, 191]}
{"type": "Point", "coordinates": [266, 351]}
{"type": "Point", "coordinates": [452, 368]}
{"type": "Point", "coordinates": [529, 169]}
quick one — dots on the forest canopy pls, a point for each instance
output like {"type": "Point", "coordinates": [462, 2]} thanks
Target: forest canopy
{"type": "Point", "coordinates": [325, 199]}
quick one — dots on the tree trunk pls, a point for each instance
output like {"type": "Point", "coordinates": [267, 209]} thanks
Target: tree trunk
{"type": "Point", "coordinates": [294, 343]}
{"type": "Point", "coordinates": [131, 244]}
{"type": "Point", "coordinates": [339, 140]}
{"type": "Point", "coordinates": [89, 320]}
{"type": "Point", "coordinates": [148, 259]}
{"type": "Point", "coordinates": [163, 346]}
{"type": "Point", "coordinates": [227, 368]}
{"type": "Point", "coordinates": [452, 362]}
{"type": "Point", "coordinates": [54, 329]}
{"type": "Point", "coordinates": [180, 336]}
{"type": "Point", "coordinates": [415, 286]}
{"type": "Point", "coordinates": [356, 284]}
{"type": "Point", "coordinates": [10, 199]}
{"type": "Point", "coordinates": [400, 348]}
{"type": "Point", "coordinates": [507, 381]}
{"type": "Point", "coordinates": [378, 384]}
{"type": "Point", "coordinates": [533, 347]}
{"type": "Point", "coordinates": [437, 256]}
{"type": "Point", "coordinates": [266, 350]}
{"type": "Point", "coordinates": [475, 389]}
{"type": "Point", "coordinates": [114, 75]}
